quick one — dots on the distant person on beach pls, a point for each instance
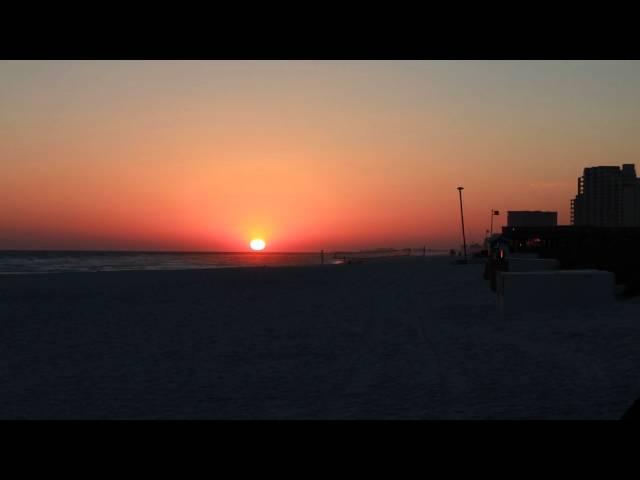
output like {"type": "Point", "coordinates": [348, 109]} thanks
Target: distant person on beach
{"type": "Point", "coordinates": [503, 250]}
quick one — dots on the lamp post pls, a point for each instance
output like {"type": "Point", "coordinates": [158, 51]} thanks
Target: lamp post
{"type": "Point", "coordinates": [464, 240]}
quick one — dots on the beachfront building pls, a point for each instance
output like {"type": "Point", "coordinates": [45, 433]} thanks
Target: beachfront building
{"type": "Point", "coordinates": [608, 196]}
{"type": "Point", "coordinates": [529, 218]}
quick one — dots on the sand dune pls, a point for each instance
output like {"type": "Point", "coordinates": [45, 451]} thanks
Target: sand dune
{"type": "Point", "coordinates": [414, 338]}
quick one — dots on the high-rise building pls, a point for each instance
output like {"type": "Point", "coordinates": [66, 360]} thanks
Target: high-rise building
{"type": "Point", "coordinates": [607, 197]}
{"type": "Point", "coordinates": [531, 218]}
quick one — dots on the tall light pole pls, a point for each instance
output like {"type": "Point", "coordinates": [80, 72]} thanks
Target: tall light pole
{"type": "Point", "coordinates": [464, 239]}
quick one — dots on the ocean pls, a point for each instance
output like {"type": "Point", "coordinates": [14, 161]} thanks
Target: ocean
{"type": "Point", "coordinates": [21, 262]}
{"type": "Point", "coordinates": [31, 261]}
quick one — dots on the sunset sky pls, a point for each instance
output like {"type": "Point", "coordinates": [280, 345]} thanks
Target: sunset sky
{"type": "Point", "coordinates": [309, 155]}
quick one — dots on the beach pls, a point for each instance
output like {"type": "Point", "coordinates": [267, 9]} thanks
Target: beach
{"type": "Point", "coordinates": [407, 338]}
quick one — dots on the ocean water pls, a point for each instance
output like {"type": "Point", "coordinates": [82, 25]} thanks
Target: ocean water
{"type": "Point", "coordinates": [20, 262]}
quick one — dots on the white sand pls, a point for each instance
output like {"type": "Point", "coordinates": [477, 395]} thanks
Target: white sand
{"type": "Point", "coordinates": [414, 338]}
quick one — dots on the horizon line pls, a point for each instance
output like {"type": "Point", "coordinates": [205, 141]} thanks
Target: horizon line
{"type": "Point", "coordinates": [205, 251]}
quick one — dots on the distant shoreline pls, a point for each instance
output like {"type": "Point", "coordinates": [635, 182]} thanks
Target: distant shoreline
{"type": "Point", "coordinates": [202, 252]}
{"type": "Point", "coordinates": [172, 252]}
{"type": "Point", "coordinates": [38, 262]}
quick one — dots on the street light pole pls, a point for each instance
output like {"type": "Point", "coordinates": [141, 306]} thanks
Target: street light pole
{"type": "Point", "coordinates": [464, 240]}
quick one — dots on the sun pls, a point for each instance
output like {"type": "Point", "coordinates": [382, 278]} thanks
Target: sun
{"type": "Point", "coordinates": [257, 244]}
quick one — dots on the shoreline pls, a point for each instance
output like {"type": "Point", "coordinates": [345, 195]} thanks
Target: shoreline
{"type": "Point", "coordinates": [328, 263]}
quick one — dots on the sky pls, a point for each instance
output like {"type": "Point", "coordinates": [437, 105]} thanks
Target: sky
{"type": "Point", "coordinates": [308, 155]}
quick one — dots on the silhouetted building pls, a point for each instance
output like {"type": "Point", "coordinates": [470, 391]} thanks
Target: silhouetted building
{"type": "Point", "coordinates": [607, 197]}
{"type": "Point", "coordinates": [528, 218]}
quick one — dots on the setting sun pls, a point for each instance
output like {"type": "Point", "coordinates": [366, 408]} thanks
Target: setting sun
{"type": "Point", "coordinates": [257, 244]}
